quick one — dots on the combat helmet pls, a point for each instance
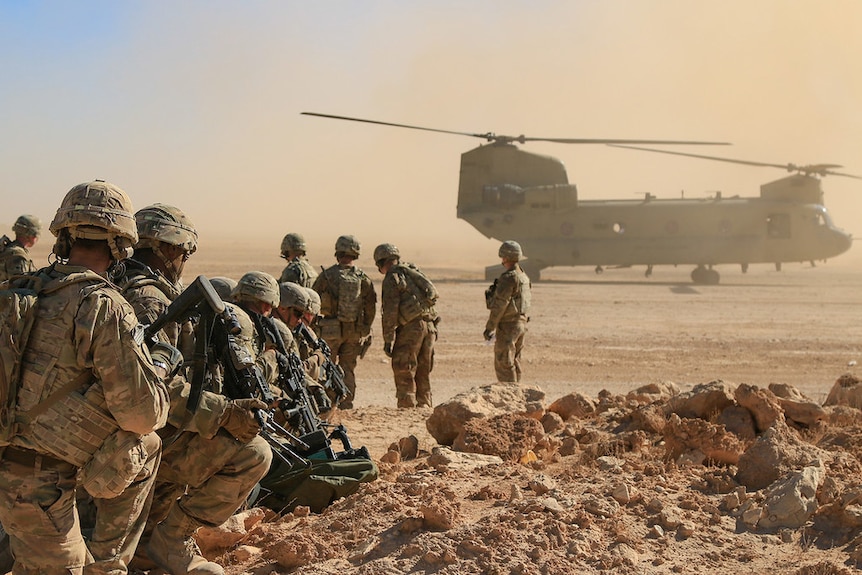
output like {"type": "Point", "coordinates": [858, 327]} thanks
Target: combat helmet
{"type": "Point", "coordinates": [385, 251]}
{"type": "Point", "coordinates": [292, 242]}
{"type": "Point", "coordinates": [347, 245]}
{"type": "Point", "coordinates": [95, 210]}
{"type": "Point", "coordinates": [27, 225]}
{"type": "Point", "coordinates": [167, 224]}
{"type": "Point", "coordinates": [313, 306]}
{"type": "Point", "coordinates": [259, 286]}
{"type": "Point", "coordinates": [223, 286]}
{"type": "Point", "coordinates": [292, 295]}
{"type": "Point", "coordinates": [511, 250]}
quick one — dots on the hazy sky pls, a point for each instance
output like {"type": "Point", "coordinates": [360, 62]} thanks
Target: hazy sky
{"type": "Point", "coordinates": [198, 104]}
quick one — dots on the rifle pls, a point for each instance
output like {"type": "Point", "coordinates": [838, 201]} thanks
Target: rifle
{"type": "Point", "coordinates": [333, 379]}
{"type": "Point", "coordinates": [200, 302]}
{"type": "Point", "coordinates": [298, 407]}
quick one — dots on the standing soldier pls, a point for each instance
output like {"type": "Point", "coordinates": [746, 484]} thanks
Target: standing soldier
{"type": "Point", "coordinates": [298, 270]}
{"type": "Point", "coordinates": [409, 326]}
{"type": "Point", "coordinates": [217, 458]}
{"type": "Point", "coordinates": [348, 303]}
{"type": "Point", "coordinates": [15, 254]}
{"type": "Point", "coordinates": [84, 368]}
{"type": "Point", "coordinates": [508, 298]}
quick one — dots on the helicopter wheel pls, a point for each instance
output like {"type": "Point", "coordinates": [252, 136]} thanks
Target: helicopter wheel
{"type": "Point", "coordinates": [648, 272]}
{"type": "Point", "coordinates": [703, 276]}
{"type": "Point", "coordinates": [599, 270]}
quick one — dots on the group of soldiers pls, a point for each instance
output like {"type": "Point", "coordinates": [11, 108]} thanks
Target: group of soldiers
{"type": "Point", "coordinates": [92, 388]}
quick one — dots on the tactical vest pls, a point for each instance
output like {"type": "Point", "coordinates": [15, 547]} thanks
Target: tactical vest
{"type": "Point", "coordinates": [343, 298]}
{"type": "Point", "coordinates": [420, 298]}
{"type": "Point", "coordinates": [75, 426]}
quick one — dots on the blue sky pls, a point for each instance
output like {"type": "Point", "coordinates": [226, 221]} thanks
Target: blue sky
{"type": "Point", "coordinates": [198, 103]}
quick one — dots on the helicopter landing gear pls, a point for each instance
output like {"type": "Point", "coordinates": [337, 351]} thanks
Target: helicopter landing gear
{"type": "Point", "coordinates": [702, 275]}
{"type": "Point", "coordinates": [648, 272]}
{"type": "Point", "coordinates": [599, 270]}
{"type": "Point", "coordinates": [744, 268]}
{"type": "Point", "coordinates": [778, 266]}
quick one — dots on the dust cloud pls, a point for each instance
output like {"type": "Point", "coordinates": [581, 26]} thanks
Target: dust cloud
{"type": "Point", "coordinates": [202, 109]}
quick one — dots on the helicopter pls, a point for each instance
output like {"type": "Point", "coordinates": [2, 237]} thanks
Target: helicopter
{"type": "Point", "coordinates": [508, 193]}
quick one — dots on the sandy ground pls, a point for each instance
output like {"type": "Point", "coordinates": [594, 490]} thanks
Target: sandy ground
{"type": "Point", "coordinates": [588, 333]}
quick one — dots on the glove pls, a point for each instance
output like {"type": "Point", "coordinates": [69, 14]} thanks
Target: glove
{"type": "Point", "coordinates": [387, 349]}
{"type": "Point", "coordinates": [239, 420]}
{"type": "Point", "coordinates": [488, 334]}
{"type": "Point", "coordinates": [167, 357]}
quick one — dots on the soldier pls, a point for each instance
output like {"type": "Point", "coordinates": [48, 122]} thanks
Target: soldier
{"type": "Point", "coordinates": [298, 269]}
{"type": "Point", "coordinates": [509, 301]}
{"type": "Point", "coordinates": [348, 303]}
{"type": "Point", "coordinates": [15, 254]}
{"type": "Point", "coordinates": [84, 368]}
{"type": "Point", "coordinates": [409, 326]}
{"type": "Point", "coordinates": [223, 286]}
{"type": "Point", "coordinates": [211, 465]}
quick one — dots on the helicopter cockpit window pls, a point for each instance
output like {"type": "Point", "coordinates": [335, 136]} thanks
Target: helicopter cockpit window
{"type": "Point", "coordinates": [778, 226]}
{"type": "Point", "coordinates": [503, 195]}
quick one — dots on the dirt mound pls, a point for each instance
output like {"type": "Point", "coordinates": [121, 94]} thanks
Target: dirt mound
{"type": "Point", "coordinates": [618, 488]}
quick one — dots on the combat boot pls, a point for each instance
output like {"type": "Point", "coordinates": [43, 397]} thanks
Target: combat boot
{"type": "Point", "coordinates": [407, 400]}
{"type": "Point", "coordinates": [172, 546]}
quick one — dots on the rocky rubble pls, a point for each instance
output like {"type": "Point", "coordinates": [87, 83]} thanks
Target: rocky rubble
{"type": "Point", "coordinates": [722, 478]}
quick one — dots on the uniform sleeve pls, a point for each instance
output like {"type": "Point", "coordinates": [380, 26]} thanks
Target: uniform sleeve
{"type": "Point", "coordinates": [390, 302]}
{"type": "Point", "coordinates": [110, 339]}
{"type": "Point", "coordinates": [206, 418]}
{"type": "Point", "coordinates": [501, 300]}
{"type": "Point", "coordinates": [369, 305]}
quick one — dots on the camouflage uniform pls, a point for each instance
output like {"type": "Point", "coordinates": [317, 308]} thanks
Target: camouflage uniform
{"type": "Point", "coordinates": [14, 256]}
{"type": "Point", "coordinates": [84, 327]}
{"type": "Point", "coordinates": [509, 305]}
{"type": "Point", "coordinates": [298, 269]}
{"type": "Point", "coordinates": [348, 305]}
{"type": "Point", "coordinates": [409, 330]}
{"type": "Point", "coordinates": [205, 472]}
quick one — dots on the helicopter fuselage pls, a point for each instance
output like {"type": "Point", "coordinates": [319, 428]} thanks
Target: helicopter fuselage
{"type": "Point", "coordinates": [509, 194]}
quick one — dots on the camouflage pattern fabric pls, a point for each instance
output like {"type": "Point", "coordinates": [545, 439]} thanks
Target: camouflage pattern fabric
{"type": "Point", "coordinates": [78, 328]}
{"type": "Point", "coordinates": [299, 271]}
{"type": "Point", "coordinates": [204, 470]}
{"type": "Point", "coordinates": [509, 306]}
{"type": "Point", "coordinates": [14, 259]}
{"type": "Point", "coordinates": [344, 338]}
{"type": "Point", "coordinates": [412, 336]}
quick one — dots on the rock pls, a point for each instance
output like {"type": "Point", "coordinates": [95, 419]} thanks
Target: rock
{"type": "Point", "coordinates": [704, 401]}
{"type": "Point", "coordinates": [796, 406]}
{"type": "Point", "coordinates": [670, 518]}
{"type": "Point", "coordinates": [622, 493]}
{"type": "Point", "coordinates": [510, 436]}
{"type": "Point", "coordinates": [713, 441]}
{"type": "Point", "coordinates": [466, 462]}
{"type": "Point", "coordinates": [773, 454]}
{"type": "Point", "coordinates": [653, 392]}
{"type": "Point", "coordinates": [573, 405]}
{"type": "Point", "coordinates": [650, 418]}
{"type": "Point", "coordinates": [542, 484]}
{"type": "Point", "coordinates": [211, 540]}
{"type": "Point", "coordinates": [737, 420]}
{"type": "Point", "coordinates": [448, 419]}
{"type": "Point", "coordinates": [847, 390]}
{"type": "Point", "coordinates": [762, 404]}
{"type": "Point", "coordinates": [791, 501]}
{"type": "Point", "coordinates": [552, 422]}
{"type": "Point", "coordinates": [601, 506]}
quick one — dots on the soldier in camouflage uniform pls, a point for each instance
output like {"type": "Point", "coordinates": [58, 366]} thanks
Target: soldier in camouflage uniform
{"type": "Point", "coordinates": [15, 254]}
{"type": "Point", "coordinates": [210, 467]}
{"type": "Point", "coordinates": [409, 328]}
{"type": "Point", "coordinates": [85, 365]}
{"type": "Point", "coordinates": [509, 301]}
{"type": "Point", "coordinates": [298, 269]}
{"type": "Point", "coordinates": [348, 304]}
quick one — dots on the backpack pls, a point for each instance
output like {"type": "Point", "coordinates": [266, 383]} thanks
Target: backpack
{"type": "Point", "coordinates": [17, 315]}
{"type": "Point", "coordinates": [423, 296]}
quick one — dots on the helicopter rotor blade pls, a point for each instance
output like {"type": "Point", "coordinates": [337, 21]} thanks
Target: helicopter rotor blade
{"type": "Point", "coordinates": [488, 136]}
{"type": "Point", "coordinates": [818, 169]}
{"type": "Point", "coordinates": [613, 141]}
{"type": "Point", "coordinates": [492, 137]}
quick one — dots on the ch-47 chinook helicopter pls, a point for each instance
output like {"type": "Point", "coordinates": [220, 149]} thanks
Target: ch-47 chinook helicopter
{"type": "Point", "coordinates": [510, 194]}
